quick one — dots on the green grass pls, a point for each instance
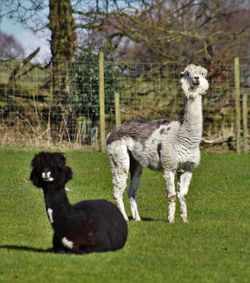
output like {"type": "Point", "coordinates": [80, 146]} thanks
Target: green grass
{"type": "Point", "coordinates": [213, 247]}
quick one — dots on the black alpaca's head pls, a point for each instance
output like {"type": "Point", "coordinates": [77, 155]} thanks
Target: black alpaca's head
{"type": "Point", "coordinates": [49, 168]}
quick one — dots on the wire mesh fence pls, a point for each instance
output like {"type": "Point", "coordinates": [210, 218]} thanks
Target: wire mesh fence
{"type": "Point", "coordinates": [29, 115]}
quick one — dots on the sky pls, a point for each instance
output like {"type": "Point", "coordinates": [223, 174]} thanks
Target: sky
{"type": "Point", "coordinates": [27, 39]}
{"type": "Point", "coordinates": [30, 41]}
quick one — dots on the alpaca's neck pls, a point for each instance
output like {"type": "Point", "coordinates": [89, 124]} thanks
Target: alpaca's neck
{"type": "Point", "coordinates": [56, 198]}
{"type": "Point", "coordinates": [193, 113]}
{"type": "Point", "coordinates": [192, 122]}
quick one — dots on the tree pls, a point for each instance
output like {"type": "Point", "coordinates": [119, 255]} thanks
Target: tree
{"type": "Point", "coordinates": [60, 21]}
{"type": "Point", "coordinates": [10, 48]}
{"type": "Point", "coordinates": [63, 43]}
{"type": "Point", "coordinates": [149, 30]}
{"type": "Point", "coordinates": [29, 13]}
{"type": "Point", "coordinates": [173, 31]}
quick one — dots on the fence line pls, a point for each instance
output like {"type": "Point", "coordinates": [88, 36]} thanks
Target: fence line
{"type": "Point", "coordinates": [132, 91]}
{"type": "Point", "coordinates": [237, 104]}
{"type": "Point", "coordinates": [102, 101]}
{"type": "Point", "coordinates": [117, 109]}
{"type": "Point", "coordinates": [245, 120]}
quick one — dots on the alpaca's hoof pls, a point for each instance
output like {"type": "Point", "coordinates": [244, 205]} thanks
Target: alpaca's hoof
{"type": "Point", "coordinates": [184, 218]}
{"type": "Point", "coordinates": [136, 216]}
{"type": "Point", "coordinates": [170, 220]}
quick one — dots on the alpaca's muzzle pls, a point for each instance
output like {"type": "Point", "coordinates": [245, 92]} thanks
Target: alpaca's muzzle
{"type": "Point", "coordinates": [46, 176]}
{"type": "Point", "coordinates": [196, 80]}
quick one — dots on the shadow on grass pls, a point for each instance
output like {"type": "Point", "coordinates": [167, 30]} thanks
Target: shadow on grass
{"type": "Point", "coordinates": [148, 219]}
{"type": "Point", "coordinates": [25, 248]}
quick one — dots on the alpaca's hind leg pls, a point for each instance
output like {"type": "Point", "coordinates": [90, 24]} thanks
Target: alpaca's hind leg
{"type": "Point", "coordinates": [184, 180]}
{"type": "Point", "coordinates": [119, 161]}
{"type": "Point", "coordinates": [171, 194]}
{"type": "Point", "coordinates": [135, 173]}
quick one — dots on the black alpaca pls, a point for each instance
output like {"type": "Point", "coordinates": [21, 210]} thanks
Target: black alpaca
{"type": "Point", "coordinates": [87, 226]}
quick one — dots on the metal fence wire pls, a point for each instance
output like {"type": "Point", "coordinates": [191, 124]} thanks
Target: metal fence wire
{"type": "Point", "coordinates": [28, 116]}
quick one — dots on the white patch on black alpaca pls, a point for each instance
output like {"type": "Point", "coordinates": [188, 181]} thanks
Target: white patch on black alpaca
{"type": "Point", "coordinates": [46, 176]}
{"type": "Point", "coordinates": [171, 146]}
{"type": "Point", "coordinates": [50, 214]}
{"type": "Point", "coordinates": [67, 243]}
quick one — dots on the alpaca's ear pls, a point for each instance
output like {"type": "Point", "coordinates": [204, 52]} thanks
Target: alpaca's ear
{"type": "Point", "coordinates": [35, 178]}
{"type": "Point", "coordinates": [64, 176]}
{"type": "Point", "coordinates": [68, 173]}
{"type": "Point", "coordinates": [59, 157]}
{"type": "Point", "coordinates": [37, 159]}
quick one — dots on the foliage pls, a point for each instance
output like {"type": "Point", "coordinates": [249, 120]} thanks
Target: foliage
{"type": "Point", "coordinates": [85, 82]}
{"type": "Point", "coordinates": [213, 247]}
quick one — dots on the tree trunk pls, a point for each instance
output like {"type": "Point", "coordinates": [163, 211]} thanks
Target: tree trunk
{"type": "Point", "coordinates": [63, 45]}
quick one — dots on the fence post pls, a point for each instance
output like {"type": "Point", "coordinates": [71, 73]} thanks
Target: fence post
{"type": "Point", "coordinates": [117, 110]}
{"type": "Point", "coordinates": [102, 101]}
{"type": "Point", "coordinates": [237, 103]}
{"type": "Point", "coordinates": [245, 120]}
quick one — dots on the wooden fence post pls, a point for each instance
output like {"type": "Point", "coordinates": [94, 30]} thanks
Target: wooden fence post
{"type": "Point", "coordinates": [102, 101]}
{"type": "Point", "coordinates": [117, 110]}
{"type": "Point", "coordinates": [245, 120]}
{"type": "Point", "coordinates": [237, 103]}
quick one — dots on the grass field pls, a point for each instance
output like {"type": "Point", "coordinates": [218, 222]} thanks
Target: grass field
{"type": "Point", "coordinates": [213, 247]}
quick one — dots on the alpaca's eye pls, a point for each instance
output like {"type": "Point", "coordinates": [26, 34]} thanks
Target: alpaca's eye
{"type": "Point", "coordinates": [188, 74]}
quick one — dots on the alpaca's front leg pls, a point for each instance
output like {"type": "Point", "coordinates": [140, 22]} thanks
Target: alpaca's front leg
{"type": "Point", "coordinates": [58, 245]}
{"type": "Point", "coordinates": [170, 188]}
{"type": "Point", "coordinates": [183, 186]}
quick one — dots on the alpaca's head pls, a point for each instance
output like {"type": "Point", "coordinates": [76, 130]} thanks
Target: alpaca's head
{"type": "Point", "coordinates": [49, 168]}
{"type": "Point", "coordinates": [193, 81]}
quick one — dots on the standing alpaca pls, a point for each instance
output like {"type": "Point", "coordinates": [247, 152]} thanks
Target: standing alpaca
{"type": "Point", "coordinates": [87, 226]}
{"type": "Point", "coordinates": [167, 145]}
